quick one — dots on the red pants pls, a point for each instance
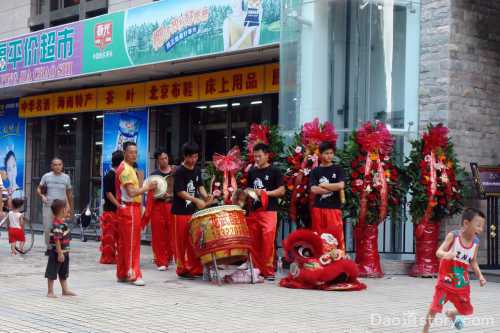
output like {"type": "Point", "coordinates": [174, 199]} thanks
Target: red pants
{"type": "Point", "coordinates": [109, 237]}
{"type": "Point", "coordinates": [161, 230]}
{"type": "Point", "coordinates": [187, 263]}
{"type": "Point", "coordinates": [460, 301]}
{"type": "Point", "coordinates": [325, 220]}
{"type": "Point", "coordinates": [129, 243]}
{"type": "Point", "coordinates": [16, 235]}
{"type": "Point", "coordinates": [262, 227]}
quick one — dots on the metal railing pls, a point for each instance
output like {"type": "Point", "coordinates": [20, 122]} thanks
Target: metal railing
{"type": "Point", "coordinates": [395, 237]}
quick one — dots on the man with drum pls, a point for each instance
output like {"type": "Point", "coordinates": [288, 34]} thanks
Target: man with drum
{"type": "Point", "coordinates": [189, 195]}
{"type": "Point", "coordinates": [159, 212]}
{"type": "Point", "coordinates": [129, 194]}
{"type": "Point", "coordinates": [267, 182]}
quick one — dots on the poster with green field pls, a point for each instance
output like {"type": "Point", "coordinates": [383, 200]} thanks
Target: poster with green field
{"type": "Point", "coordinates": [171, 30]}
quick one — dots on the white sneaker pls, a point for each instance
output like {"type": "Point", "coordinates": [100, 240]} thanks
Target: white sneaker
{"type": "Point", "coordinates": [162, 268]}
{"type": "Point", "coordinates": [139, 282]}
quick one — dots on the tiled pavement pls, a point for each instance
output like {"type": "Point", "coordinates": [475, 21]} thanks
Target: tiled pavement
{"type": "Point", "coordinates": [166, 304]}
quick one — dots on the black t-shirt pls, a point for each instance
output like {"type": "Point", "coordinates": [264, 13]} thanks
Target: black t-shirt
{"type": "Point", "coordinates": [268, 178]}
{"type": "Point", "coordinates": [189, 181]}
{"type": "Point", "coordinates": [158, 172]}
{"type": "Point", "coordinates": [108, 183]}
{"type": "Point", "coordinates": [330, 174]}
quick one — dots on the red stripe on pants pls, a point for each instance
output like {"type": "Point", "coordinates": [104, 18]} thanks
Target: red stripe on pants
{"type": "Point", "coordinates": [325, 220]}
{"type": "Point", "coordinates": [262, 227]}
{"type": "Point", "coordinates": [129, 243]}
{"type": "Point", "coordinates": [109, 237]}
{"type": "Point", "coordinates": [187, 262]}
{"type": "Point", "coordinates": [161, 232]}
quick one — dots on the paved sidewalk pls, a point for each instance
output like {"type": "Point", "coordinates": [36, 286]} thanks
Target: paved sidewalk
{"type": "Point", "coordinates": [166, 304]}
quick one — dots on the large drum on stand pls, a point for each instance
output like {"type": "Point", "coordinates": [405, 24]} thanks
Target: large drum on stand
{"type": "Point", "coordinates": [220, 235]}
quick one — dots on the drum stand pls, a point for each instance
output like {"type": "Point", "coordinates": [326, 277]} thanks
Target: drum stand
{"type": "Point", "coordinates": [217, 274]}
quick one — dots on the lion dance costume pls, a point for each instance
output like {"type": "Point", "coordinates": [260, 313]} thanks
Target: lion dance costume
{"type": "Point", "coordinates": [317, 263]}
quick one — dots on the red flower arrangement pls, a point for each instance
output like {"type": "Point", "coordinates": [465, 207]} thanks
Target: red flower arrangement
{"type": "Point", "coordinates": [303, 156]}
{"type": "Point", "coordinates": [373, 190]}
{"type": "Point", "coordinates": [437, 192]}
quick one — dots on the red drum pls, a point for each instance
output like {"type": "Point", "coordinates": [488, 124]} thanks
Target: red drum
{"type": "Point", "coordinates": [220, 232]}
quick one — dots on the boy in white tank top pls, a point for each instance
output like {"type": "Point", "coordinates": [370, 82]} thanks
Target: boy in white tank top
{"type": "Point", "coordinates": [458, 253]}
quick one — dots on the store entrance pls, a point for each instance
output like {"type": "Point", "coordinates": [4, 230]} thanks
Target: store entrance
{"type": "Point", "coordinates": [77, 140]}
{"type": "Point", "coordinates": [216, 126]}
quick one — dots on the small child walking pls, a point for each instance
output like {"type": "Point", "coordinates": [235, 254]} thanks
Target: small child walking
{"type": "Point", "coordinates": [58, 263]}
{"type": "Point", "coordinates": [15, 220]}
{"type": "Point", "coordinates": [458, 252]}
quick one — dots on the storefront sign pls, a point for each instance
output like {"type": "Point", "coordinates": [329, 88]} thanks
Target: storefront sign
{"type": "Point", "coordinates": [120, 97]}
{"type": "Point", "coordinates": [486, 179]}
{"type": "Point", "coordinates": [222, 84]}
{"type": "Point", "coordinates": [104, 44]}
{"type": "Point", "coordinates": [172, 91]}
{"type": "Point", "coordinates": [12, 147]}
{"type": "Point", "coordinates": [46, 55]}
{"type": "Point", "coordinates": [237, 82]}
{"type": "Point", "coordinates": [120, 127]}
{"type": "Point", "coordinates": [157, 32]}
{"type": "Point", "coordinates": [272, 78]}
{"type": "Point", "coordinates": [59, 103]}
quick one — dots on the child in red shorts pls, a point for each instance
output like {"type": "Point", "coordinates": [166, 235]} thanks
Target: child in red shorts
{"type": "Point", "coordinates": [457, 253]}
{"type": "Point", "coordinates": [16, 226]}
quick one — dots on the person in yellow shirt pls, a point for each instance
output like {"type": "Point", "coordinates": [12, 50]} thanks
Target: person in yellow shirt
{"type": "Point", "coordinates": [129, 195]}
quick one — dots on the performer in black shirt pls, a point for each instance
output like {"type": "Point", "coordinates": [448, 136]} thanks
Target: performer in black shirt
{"type": "Point", "coordinates": [108, 219]}
{"type": "Point", "coordinates": [189, 196]}
{"type": "Point", "coordinates": [326, 183]}
{"type": "Point", "coordinates": [267, 182]}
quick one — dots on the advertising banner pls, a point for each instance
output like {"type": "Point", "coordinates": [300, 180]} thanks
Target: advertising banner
{"type": "Point", "coordinates": [171, 30]}
{"type": "Point", "coordinates": [120, 127]}
{"type": "Point", "coordinates": [157, 32]}
{"type": "Point", "coordinates": [12, 147]}
{"type": "Point", "coordinates": [44, 55]}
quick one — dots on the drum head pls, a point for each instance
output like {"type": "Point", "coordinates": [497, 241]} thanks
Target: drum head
{"type": "Point", "coordinates": [161, 185]}
{"type": "Point", "coordinates": [217, 209]}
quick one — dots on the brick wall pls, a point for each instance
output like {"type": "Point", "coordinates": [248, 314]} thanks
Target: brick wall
{"type": "Point", "coordinates": [460, 79]}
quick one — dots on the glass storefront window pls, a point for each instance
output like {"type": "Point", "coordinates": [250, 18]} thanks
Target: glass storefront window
{"type": "Point", "coordinates": [350, 62]}
{"type": "Point", "coordinates": [216, 126]}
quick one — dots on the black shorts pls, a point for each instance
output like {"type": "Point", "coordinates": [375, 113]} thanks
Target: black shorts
{"type": "Point", "coordinates": [56, 268]}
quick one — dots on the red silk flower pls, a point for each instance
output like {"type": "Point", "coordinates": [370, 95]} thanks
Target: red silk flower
{"type": "Point", "coordinates": [437, 137]}
{"type": "Point", "coordinates": [375, 138]}
{"type": "Point", "coordinates": [258, 134]}
{"type": "Point", "coordinates": [313, 133]}
{"type": "Point", "coordinates": [230, 162]}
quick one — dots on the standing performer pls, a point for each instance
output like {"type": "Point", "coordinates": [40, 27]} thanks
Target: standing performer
{"type": "Point", "coordinates": [108, 219]}
{"type": "Point", "coordinates": [326, 181]}
{"type": "Point", "coordinates": [129, 214]}
{"type": "Point", "coordinates": [189, 195]}
{"type": "Point", "coordinates": [159, 211]}
{"type": "Point", "coordinates": [267, 182]}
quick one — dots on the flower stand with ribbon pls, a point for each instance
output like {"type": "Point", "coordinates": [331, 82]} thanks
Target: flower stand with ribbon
{"type": "Point", "coordinates": [373, 191]}
{"type": "Point", "coordinates": [437, 192]}
{"type": "Point", "coordinates": [229, 165]}
{"type": "Point", "coordinates": [303, 156]}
